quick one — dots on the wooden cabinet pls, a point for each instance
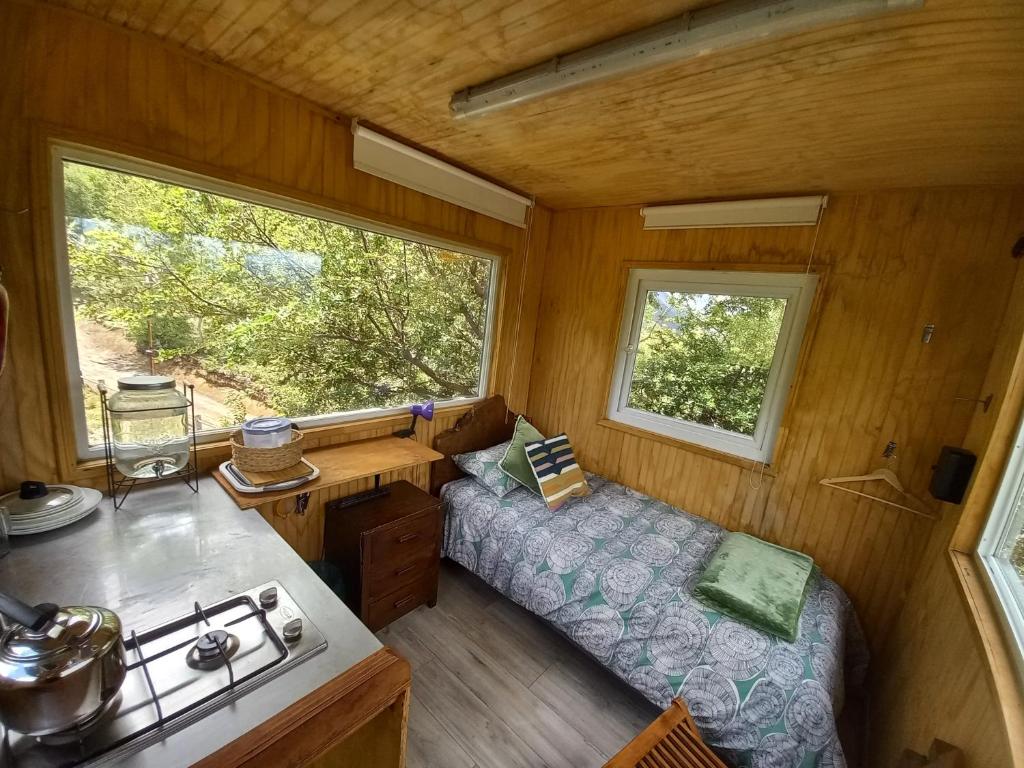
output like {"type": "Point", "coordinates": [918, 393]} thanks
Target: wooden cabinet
{"type": "Point", "coordinates": [388, 549]}
{"type": "Point", "coordinates": [358, 719]}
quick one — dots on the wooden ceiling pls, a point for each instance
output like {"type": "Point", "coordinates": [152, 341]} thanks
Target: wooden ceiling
{"type": "Point", "coordinates": [928, 97]}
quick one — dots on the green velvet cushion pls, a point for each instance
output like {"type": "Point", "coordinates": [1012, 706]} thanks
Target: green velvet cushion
{"type": "Point", "coordinates": [757, 583]}
{"type": "Point", "coordinates": [515, 463]}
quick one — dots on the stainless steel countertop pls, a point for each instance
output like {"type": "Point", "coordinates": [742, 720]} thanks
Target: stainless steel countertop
{"type": "Point", "coordinates": [164, 549]}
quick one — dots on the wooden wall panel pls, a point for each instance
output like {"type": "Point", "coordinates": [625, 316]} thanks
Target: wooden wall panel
{"type": "Point", "coordinates": [68, 75]}
{"type": "Point", "coordinates": [891, 262]}
{"type": "Point", "coordinates": [932, 681]}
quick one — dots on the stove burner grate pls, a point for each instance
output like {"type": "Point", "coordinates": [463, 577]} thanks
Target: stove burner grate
{"type": "Point", "coordinates": [243, 646]}
{"type": "Point", "coordinates": [208, 639]}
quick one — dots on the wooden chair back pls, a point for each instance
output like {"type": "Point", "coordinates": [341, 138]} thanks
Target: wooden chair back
{"type": "Point", "coordinates": [671, 741]}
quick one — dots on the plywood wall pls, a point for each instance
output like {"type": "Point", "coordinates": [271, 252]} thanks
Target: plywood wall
{"type": "Point", "coordinates": [66, 75]}
{"type": "Point", "coordinates": [932, 680]}
{"type": "Point", "coordinates": [891, 263]}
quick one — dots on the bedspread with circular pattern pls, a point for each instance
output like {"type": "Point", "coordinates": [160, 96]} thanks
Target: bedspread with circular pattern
{"type": "Point", "coordinates": [615, 571]}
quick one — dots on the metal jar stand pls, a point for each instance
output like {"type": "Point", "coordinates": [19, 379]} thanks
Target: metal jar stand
{"type": "Point", "coordinates": [116, 481]}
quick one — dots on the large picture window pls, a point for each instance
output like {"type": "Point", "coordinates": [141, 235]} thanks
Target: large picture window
{"type": "Point", "coordinates": [267, 305]}
{"type": "Point", "coordinates": [707, 357]}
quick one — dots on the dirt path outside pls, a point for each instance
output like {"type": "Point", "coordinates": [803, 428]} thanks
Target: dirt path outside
{"type": "Point", "coordinates": [104, 354]}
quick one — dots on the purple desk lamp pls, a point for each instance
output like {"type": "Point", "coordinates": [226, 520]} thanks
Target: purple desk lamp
{"type": "Point", "coordinates": [426, 410]}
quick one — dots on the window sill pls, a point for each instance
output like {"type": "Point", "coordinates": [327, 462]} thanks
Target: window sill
{"type": "Point", "coordinates": [999, 655]}
{"type": "Point", "coordinates": [739, 461]}
{"type": "Point", "coordinates": [92, 472]}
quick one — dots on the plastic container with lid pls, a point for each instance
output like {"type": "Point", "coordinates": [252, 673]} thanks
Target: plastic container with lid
{"type": "Point", "coordinates": [266, 432]}
{"type": "Point", "coordinates": [149, 426]}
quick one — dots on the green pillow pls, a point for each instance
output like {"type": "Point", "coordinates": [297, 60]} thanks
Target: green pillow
{"type": "Point", "coordinates": [515, 462]}
{"type": "Point", "coordinates": [757, 583]}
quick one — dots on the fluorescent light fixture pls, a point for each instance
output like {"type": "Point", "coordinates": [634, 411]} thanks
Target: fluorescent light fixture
{"type": "Point", "coordinates": [394, 161]}
{"type": "Point", "coordinates": [697, 33]}
{"type": "Point", "coordinates": [775, 212]}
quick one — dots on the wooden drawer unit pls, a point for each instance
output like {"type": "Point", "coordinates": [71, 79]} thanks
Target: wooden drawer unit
{"type": "Point", "coordinates": [393, 545]}
{"type": "Point", "coordinates": [388, 549]}
{"type": "Point", "coordinates": [382, 610]}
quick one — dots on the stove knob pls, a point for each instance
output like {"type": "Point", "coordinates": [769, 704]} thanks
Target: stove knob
{"type": "Point", "coordinates": [268, 598]}
{"type": "Point", "coordinates": [292, 631]}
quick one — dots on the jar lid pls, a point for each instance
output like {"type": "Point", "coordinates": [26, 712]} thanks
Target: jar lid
{"type": "Point", "coordinates": [27, 655]}
{"type": "Point", "coordinates": [266, 425]}
{"type": "Point", "coordinates": [145, 382]}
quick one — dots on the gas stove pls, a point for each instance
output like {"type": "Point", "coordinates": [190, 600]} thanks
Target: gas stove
{"type": "Point", "coordinates": [181, 671]}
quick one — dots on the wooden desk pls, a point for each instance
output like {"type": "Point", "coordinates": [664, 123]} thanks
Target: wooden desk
{"type": "Point", "coordinates": [340, 464]}
{"type": "Point", "coordinates": [344, 469]}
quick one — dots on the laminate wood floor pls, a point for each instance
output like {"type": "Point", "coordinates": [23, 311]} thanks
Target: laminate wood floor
{"type": "Point", "coordinates": [493, 686]}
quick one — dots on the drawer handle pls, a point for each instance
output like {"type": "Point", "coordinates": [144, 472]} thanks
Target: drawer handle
{"type": "Point", "coordinates": [407, 568]}
{"type": "Point", "coordinates": [408, 537]}
{"type": "Point", "coordinates": [404, 600]}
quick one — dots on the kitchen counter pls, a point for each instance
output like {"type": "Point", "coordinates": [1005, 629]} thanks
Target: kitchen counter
{"type": "Point", "coordinates": [164, 549]}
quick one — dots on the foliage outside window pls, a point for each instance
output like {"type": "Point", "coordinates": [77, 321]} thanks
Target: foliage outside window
{"type": "Point", "coordinates": [707, 357]}
{"type": "Point", "coordinates": [267, 310]}
{"type": "Point", "coordinates": [1002, 545]}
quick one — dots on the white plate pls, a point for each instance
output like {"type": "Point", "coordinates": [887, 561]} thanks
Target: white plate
{"type": "Point", "coordinates": [52, 525]}
{"type": "Point", "coordinates": [73, 501]}
{"type": "Point", "coordinates": [91, 500]}
{"type": "Point", "coordinates": [54, 512]}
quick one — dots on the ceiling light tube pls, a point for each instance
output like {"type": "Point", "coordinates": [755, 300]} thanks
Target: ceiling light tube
{"type": "Point", "coordinates": [774, 212]}
{"type": "Point", "coordinates": [697, 33]}
{"type": "Point", "coordinates": [381, 156]}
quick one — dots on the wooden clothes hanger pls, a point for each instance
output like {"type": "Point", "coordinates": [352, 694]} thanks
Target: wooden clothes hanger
{"type": "Point", "coordinates": [886, 476]}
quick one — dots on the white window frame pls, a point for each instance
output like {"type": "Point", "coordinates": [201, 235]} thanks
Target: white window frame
{"type": "Point", "coordinates": [77, 153]}
{"type": "Point", "coordinates": [1003, 580]}
{"type": "Point", "coordinates": [797, 288]}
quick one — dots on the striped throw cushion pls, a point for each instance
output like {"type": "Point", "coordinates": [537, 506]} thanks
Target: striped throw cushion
{"type": "Point", "coordinates": [558, 475]}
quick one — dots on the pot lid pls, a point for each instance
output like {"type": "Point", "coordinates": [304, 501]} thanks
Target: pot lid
{"type": "Point", "coordinates": [27, 655]}
{"type": "Point", "coordinates": [35, 497]}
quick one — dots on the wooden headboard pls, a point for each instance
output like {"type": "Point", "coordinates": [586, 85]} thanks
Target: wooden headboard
{"type": "Point", "coordinates": [488, 423]}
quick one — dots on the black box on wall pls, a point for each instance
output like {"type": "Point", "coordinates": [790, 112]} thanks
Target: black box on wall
{"type": "Point", "coordinates": [951, 474]}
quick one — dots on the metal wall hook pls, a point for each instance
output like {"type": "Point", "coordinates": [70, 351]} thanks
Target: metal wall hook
{"type": "Point", "coordinates": [986, 402]}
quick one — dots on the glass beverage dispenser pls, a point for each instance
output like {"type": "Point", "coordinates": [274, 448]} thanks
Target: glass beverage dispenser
{"type": "Point", "coordinates": [149, 427]}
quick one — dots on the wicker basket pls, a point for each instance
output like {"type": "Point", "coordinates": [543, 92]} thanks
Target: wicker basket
{"type": "Point", "coordinates": [266, 459]}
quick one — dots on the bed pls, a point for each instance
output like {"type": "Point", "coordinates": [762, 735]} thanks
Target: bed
{"type": "Point", "coordinates": [615, 571]}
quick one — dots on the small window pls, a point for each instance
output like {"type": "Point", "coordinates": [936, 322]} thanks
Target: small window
{"type": "Point", "coordinates": [708, 357]}
{"type": "Point", "coordinates": [1002, 544]}
{"type": "Point", "coordinates": [269, 306]}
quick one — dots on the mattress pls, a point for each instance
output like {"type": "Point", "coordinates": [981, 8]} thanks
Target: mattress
{"type": "Point", "coordinates": [615, 572]}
